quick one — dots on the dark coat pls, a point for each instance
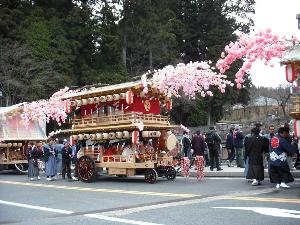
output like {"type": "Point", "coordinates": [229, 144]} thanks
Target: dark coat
{"type": "Point", "coordinates": [198, 144]}
{"type": "Point", "coordinates": [66, 154]}
{"type": "Point", "coordinates": [238, 139]}
{"type": "Point", "coordinates": [217, 141]}
{"type": "Point", "coordinates": [255, 147]}
{"type": "Point", "coordinates": [229, 141]}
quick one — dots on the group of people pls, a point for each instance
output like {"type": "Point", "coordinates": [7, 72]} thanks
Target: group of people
{"type": "Point", "coordinates": [251, 151]}
{"type": "Point", "coordinates": [52, 154]}
{"type": "Point", "coordinates": [207, 145]}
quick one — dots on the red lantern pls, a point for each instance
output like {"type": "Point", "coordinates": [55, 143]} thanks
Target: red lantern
{"type": "Point", "coordinates": [129, 97]}
{"type": "Point", "coordinates": [135, 137]}
{"type": "Point", "coordinates": [169, 105]}
{"type": "Point", "coordinates": [296, 127]}
{"type": "Point", "coordinates": [290, 73]}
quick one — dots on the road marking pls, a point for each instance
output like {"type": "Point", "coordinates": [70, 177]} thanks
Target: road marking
{"type": "Point", "coordinates": [183, 202]}
{"type": "Point", "coordinates": [101, 217]}
{"type": "Point", "coordinates": [268, 211]}
{"type": "Point", "coordinates": [36, 207]}
{"type": "Point", "coordinates": [96, 216]}
{"type": "Point", "coordinates": [118, 191]}
{"type": "Point", "coordinates": [258, 199]}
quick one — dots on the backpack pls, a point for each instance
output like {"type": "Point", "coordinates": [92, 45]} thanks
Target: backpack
{"type": "Point", "coordinates": [210, 139]}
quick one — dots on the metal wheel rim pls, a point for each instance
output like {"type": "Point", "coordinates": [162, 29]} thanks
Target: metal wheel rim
{"type": "Point", "coordinates": [85, 169]}
{"type": "Point", "coordinates": [150, 176]}
{"type": "Point", "coordinates": [20, 168]}
{"type": "Point", "coordinates": [170, 173]}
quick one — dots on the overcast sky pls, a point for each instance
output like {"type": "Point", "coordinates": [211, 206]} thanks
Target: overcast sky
{"type": "Point", "coordinates": [280, 16]}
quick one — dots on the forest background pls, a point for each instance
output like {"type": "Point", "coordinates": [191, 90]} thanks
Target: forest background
{"type": "Point", "coordinates": [46, 45]}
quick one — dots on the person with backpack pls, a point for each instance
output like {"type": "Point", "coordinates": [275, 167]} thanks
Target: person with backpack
{"type": "Point", "coordinates": [186, 145]}
{"type": "Point", "coordinates": [238, 141]}
{"type": "Point", "coordinates": [33, 155]}
{"type": "Point", "coordinates": [213, 141]}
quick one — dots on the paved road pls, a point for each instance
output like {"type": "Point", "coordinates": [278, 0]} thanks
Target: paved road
{"type": "Point", "coordinates": [112, 200]}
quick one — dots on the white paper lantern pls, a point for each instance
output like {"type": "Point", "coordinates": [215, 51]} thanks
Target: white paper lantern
{"type": "Point", "coordinates": [126, 134]}
{"type": "Point", "coordinates": [99, 136]}
{"type": "Point", "coordinates": [78, 102]}
{"type": "Point", "coordinates": [122, 96]}
{"type": "Point", "coordinates": [105, 136]}
{"type": "Point", "coordinates": [116, 97]}
{"type": "Point", "coordinates": [102, 99]}
{"type": "Point", "coordinates": [109, 98]}
{"type": "Point", "coordinates": [84, 101]}
{"type": "Point", "coordinates": [80, 137]}
{"type": "Point", "coordinates": [111, 135]}
{"type": "Point", "coordinates": [96, 100]}
{"type": "Point", "coordinates": [90, 101]}
{"type": "Point", "coordinates": [119, 135]}
{"type": "Point", "coordinates": [93, 137]}
{"type": "Point", "coordinates": [73, 103]}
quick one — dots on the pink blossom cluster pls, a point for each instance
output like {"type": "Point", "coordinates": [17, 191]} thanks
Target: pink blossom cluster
{"type": "Point", "coordinates": [44, 110]}
{"type": "Point", "coordinates": [191, 78]}
{"type": "Point", "coordinates": [264, 46]}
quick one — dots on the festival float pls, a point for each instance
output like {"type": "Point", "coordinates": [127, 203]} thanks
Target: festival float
{"type": "Point", "coordinates": [14, 137]}
{"type": "Point", "coordinates": [291, 61]}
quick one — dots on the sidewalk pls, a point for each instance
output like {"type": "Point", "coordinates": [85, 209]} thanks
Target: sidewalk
{"type": "Point", "coordinates": [233, 172]}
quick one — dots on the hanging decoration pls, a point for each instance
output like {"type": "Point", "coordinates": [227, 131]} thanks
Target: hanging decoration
{"type": "Point", "coordinates": [200, 167]}
{"type": "Point", "coordinates": [135, 137]}
{"type": "Point", "coordinates": [291, 72]}
{"type": "Point", "coordinates": [185, 167]}
{"type": "Point", "coordinates": [129, 97]}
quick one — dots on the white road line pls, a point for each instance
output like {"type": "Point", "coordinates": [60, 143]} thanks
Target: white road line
{"type": "Point", "coordinates": [101, 217]}
{"type": "Point", "coordinates": [36, 207]}
{"type": "Point", "coordinates": [119, 220]}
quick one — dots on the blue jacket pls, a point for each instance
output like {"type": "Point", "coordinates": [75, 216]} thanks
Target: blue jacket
{"type": "Point", "coordinates": [278, 148]}
{"type": "Point", "coordinates": [229, 141]}
{"type": "Point", "coordinates": [238, 139]}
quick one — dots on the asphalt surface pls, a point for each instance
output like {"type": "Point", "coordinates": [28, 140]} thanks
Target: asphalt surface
{"type": "Point", "coordinates": [112, 200]}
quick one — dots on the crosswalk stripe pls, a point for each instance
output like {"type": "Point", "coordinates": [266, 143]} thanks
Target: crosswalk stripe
{"type": "Point", "coordinates": [119, 191]}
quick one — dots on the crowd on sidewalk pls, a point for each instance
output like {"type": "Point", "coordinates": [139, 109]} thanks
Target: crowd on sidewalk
{"type": "Point", "coordinates": [254, 152]}
{"type": "Point", "coordinates": [54, 158]}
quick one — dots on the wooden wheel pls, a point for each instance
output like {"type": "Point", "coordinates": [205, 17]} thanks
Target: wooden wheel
{"type": "Point", "coordinates": [151, 176]}
{"type": "Point", "coordinates": [170, 173]}
{"type": "Point", "coordinates": [86, 169]}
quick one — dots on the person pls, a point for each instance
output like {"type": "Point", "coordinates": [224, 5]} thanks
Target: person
{"type": "Point", "coordinates": [213, 141]}
{"type": "Point", "coordinates": [269, 136]}
{"type": "Point", "coordinates": [32, 156]}
{"type": "Point", "coordinates": [255, 146]}
{"type": "Point", "coordinates": [230, 146]}
{"type": "Point", "coordinates": [186, 145]}
{"type": "Point", "coordinates": [66, 153]}
{"type": "Point", "coordinates": [289, 138]}
{"type": "Point", "coordinates": [50, 154]}
{"type": "Point", "coordinates": [75, 148]}
{"type": "Point", "coordinates": [279, 168]}
{"type": "Point", "coordinates": [58, 145]}
{"type": "Point", "coordinates": [238, 142]}
{"type": "Point", "coordinates": [198, 144]}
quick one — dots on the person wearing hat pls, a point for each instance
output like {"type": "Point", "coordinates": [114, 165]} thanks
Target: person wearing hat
{"type": "Point", "coordinates": [66, 153]}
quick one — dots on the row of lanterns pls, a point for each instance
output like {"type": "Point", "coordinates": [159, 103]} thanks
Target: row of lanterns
{"type": "Point", "coordinates": [9, 145]}
{"type": "Point", "coordinates": [295, 125]}
{"type": "Point", "coordinates": [116, 135]}
{"type": "Point", "coordinates": [128, 96]}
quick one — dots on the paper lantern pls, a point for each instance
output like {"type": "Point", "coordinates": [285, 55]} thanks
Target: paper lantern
{"type": "Point", "coordinates": [109, 98]}
{"type": "Point", "coordinates": [90, 101]}
{"type": "Point", "coordinates": [111, 135]}
{"type": "Point", "coordinates": [84, 101]}
{"type": "Point", "coordinates": [155, 133]}
{"type": "Point", "coordinates": [78, 102]}
{"type": "Point", "coordinates": [169, 105]}
{"type": "Point", "coordinates": [135, 137]}
{"type": "Point", "coordinates": [290, 72]}
{"type": "Point", "coordinates": [86, 136]}
{"type": "Point", "coordinates": [129, 97]}
{"type": "Point", "coordinates": [73, 103]}
{"type": "Point", "coordinates": [126, 134]}
{"type": "Point", "coordinates": [15, 144]}
{"type": "Point", "coordinates": [20, 145]}
{"type": "Point", "coordinates": [75, 137]}
{"type": "Point", "coordinates": [116, 97]}
{"type": "Point", "coordinates": [93, 137]}
{"type": "Point", "coordinates": [119, 135]}
{"type": "Point", "coordinates": [3, 145]}
{"type": "Point", "coordinates": [296, 127]}
{"type": "Point", "coordinates": [9, 145]}
{"type": "Point", "coordinates": [122, 95]}
{"type": "Point", "coordinates": [99, 136]}
{"type": "Point", "coordinates": [102, 99]}
{"type": "Point", "coordinates": [105, 136]}
{"type": "Point", "coordinates": [145, 134]}
{"type": "Point", "coordinates": [96, 100]}
{"type": "Point", "coordinates": [80, 137]}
